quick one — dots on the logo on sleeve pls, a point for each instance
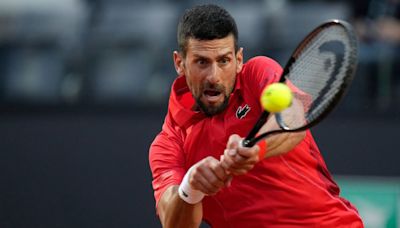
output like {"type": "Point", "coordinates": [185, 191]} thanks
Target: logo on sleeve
{"type": "Point", "coordinates": [242, 111]}
{"type": "Point", "coordinates": [184, 194]}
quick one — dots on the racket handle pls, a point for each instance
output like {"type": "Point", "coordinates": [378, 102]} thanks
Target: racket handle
{"type": "Point", "coordinates": [248, 141]}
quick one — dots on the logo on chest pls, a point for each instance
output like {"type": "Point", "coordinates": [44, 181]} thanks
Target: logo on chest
{"type": "Point", "coordinates": [242, 111]}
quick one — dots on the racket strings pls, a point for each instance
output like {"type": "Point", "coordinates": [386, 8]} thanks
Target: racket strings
{"type": "Point", "coordinates": [318, 74]}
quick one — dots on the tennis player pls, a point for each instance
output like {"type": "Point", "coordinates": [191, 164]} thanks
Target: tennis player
{"type": "Point", "coordinates": [199, 170]}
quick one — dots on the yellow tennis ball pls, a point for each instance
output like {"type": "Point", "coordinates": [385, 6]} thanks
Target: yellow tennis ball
{"type": "Point", "coordinates": [276, 97]}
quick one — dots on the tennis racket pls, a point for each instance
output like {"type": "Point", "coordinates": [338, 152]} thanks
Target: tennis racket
{"type": "Point", "coordinates": [319, 73]}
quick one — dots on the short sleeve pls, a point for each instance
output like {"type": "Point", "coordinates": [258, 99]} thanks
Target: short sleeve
{"type": "Point", "coordinates": [166, 159]}
{"type": "Point", "coordinates": [259, 72]}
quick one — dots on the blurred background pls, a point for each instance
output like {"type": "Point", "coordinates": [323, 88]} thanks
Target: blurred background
{"type": "Point", "coordinates": [84, 88]}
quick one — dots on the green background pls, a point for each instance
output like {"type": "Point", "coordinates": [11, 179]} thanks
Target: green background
{"type": "Point", "coordinates": [377, 199]}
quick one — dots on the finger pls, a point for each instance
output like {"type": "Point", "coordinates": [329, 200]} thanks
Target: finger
{"type": "Point", "coordinates": [231, 152]}
{"type": "Point", "coordinates": [233, 141]}
{"type": "Point", "coordinates": [248, 152]}
{"type": "Point", "coordinates": [219, 171]}
{"type": "Point", "coordinates": [224, 164]}
{"type": "Point", "coordinates": [234, 169]}
{"type": "Point", "coordinates": [200, 183]}
{"type": "Point", "coordinates": [240, 160]}
{"type": "Point", "coordinates": [205, 180]}
{"type": "Point", "coordinates": [227, 160]}
{"type": "Point", "coordinates": [242, 171]}
{"type": "Point", "coordinates": [234, 163]}
{"type": "Point", "coordinates": [213, 182]}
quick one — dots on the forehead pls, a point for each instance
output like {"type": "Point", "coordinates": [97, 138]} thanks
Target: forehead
{"type": "Point", "coordinates": [210, 48]}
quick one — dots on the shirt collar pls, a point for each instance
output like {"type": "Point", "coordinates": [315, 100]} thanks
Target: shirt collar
{"type": "Point", "coordinates": [182, 102]}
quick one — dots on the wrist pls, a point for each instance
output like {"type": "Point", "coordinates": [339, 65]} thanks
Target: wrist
{"type": "Point", "coordinates": [187, 193]}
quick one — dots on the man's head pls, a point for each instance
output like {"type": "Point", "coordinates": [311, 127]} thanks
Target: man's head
{"type": "Point", "coordinates": [208, 56]}
{"type": "Point", "coordinates": [205, 22]}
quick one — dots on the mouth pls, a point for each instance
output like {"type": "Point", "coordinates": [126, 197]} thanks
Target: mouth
{"type": "Point", "coordinates": [212, 95]}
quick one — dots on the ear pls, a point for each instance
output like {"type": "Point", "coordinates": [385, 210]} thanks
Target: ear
{"type": "Point", "coordinates": [179, 64]}
{"type": "Point", "coordinates": [239, 60]}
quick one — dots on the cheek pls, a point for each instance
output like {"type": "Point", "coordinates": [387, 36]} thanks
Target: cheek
{"type": "Point", "coordinates": [232, 84]}
{"type": "Point", "coordinates": [194, 84]}
{"type": "Point", "coordinates": [230, 80]}
{"type": "Point", "coordinates": [190, 83]}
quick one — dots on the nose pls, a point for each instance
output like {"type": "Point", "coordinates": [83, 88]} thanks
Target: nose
{"type": "Point", "coordinates": [214, 74]}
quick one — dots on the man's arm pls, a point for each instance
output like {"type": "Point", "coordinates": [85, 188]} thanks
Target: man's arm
{"type": "Point", "coordinates": [206, 177]}
{"type": "Point", "coordinates": [174, 212]}
{"type": "Point", "coordinates": [239, 160]}
{"type": "Point", "coordinates": [284, 142]}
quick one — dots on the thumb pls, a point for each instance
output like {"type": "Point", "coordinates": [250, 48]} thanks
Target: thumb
{"type": "Point", "coordinates": [233, 141]}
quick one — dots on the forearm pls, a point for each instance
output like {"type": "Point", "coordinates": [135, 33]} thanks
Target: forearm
{"type": "Point", "coordinates": [174, 212]}
{"type": "Point", "coordinates": [282, 143]}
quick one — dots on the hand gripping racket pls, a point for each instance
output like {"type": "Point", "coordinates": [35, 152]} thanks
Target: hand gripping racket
{"type": "Point", "coordinates": [319, 73]}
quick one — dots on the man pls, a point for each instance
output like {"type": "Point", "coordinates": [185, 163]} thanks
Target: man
{"type": "Point", "coordinates": [201, 172]}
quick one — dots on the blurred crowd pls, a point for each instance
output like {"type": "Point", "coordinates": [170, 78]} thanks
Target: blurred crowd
{"type": "Point", "coordinates": [97, 52]}
{"type": "Point", "coordinates": [378, 25]}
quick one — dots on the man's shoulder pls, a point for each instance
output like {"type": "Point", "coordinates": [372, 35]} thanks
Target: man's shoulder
{"type": "Point", "coordinates": [260, 66]}
{"type": "Point", "coordinates": [262, 61]}
{"type": "Point", "coordinates": [258, 72]}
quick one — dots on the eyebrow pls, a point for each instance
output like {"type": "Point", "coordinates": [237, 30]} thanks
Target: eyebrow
{"type": "Point", "coordinates": [218, 57]}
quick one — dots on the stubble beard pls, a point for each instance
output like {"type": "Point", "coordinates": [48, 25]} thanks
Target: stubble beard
{"type": "Point", "coordinates": [212, 110]}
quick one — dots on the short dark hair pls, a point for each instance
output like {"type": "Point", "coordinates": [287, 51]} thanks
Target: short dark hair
{"type": "Point", "coordinates": [205, 22]}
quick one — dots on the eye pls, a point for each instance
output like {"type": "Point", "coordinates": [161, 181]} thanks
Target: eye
{"type": "Point", "coordinates": [224, 61]}
{"type": "Point", "coordinates": [201, 62]}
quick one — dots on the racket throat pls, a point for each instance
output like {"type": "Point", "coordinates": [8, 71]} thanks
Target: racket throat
{"type": "Point", "coordinates": [248, 141]}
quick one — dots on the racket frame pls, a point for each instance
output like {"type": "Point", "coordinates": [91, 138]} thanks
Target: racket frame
{"type": "Point", "coordinates": [252, 139]}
